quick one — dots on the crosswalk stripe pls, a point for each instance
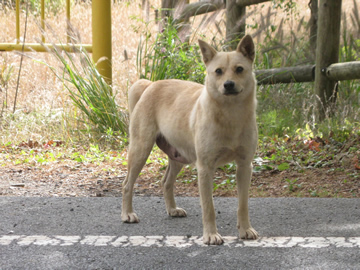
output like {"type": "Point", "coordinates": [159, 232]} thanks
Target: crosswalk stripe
{"type": "Point", "coordinates": [176, 241]}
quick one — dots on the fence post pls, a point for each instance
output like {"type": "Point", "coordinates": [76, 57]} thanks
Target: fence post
{"type": "Point", "coordinates": [101, 37]}
{"type": "Point", "coordinates": [166, 8]}
{"type": "Point", "coordinates": [313, 4]}
{"type": "Point", "coordinates": [235, 23]}
{"type": "Point", "coordinates": [327, 53]}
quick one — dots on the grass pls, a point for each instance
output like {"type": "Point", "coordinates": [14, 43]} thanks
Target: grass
{"type": "Point", "coordinates": [283, 109]}
{"type": "Point", "coordinates": [290, 139]}
{"type": "Point", "coordinates": [93, 96]}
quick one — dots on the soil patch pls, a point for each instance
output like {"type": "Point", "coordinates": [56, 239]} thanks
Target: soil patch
{"type": "Point", "coordinates": [104, 180]}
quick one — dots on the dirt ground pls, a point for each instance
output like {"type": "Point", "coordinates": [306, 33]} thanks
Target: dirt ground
{"type": "Point", "coordinates": [104, 180]}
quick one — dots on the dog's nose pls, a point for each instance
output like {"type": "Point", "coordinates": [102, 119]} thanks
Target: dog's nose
{"type": "Point", "coordinates": [229, 85]}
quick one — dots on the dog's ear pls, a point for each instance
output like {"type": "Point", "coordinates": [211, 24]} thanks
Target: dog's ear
{"type": "Point", "coordinates": [207, 51]}
{"type": "Point", "coordinates": [246, 47]}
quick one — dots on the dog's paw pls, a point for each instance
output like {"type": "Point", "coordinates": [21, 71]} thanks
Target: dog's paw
{"type": "Point", "coordinates": [177, 212]}
{"type": "Point", "coordinates": [213, 239]}
{"type": "Point", "coordinates": [249, 233]}
{"type": "Point", "coordinates": [130, 218]}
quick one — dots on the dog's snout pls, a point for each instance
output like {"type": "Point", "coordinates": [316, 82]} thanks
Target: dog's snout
{"type": "Point", "coordinates": [229, 85]}
{"type": "Point", "coordinates": [229, 88]}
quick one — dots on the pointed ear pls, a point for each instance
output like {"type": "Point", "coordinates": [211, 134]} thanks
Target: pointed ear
{"type": "Point", "coordinates": [207, 51]}
{"type": "Point", "coordinates": [246, 47]}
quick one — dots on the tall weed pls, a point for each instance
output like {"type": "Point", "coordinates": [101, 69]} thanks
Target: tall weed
{"type": "Point", "coordinates": [168, 57]}
{"type": "Point", "coordinates": [90, 93]}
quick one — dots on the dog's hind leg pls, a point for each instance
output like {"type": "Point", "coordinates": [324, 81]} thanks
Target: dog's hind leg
{"type": "Point", "coordinates": [168, 180]}
{"type": "Point", "coordinates": [139, 150]}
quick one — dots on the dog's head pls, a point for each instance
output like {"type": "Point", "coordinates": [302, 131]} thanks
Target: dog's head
{"type": "Point", "coordinates": [230, 74]}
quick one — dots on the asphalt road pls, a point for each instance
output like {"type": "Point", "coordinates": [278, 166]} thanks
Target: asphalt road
{"type": "Point", "coordinates": [86, 233]}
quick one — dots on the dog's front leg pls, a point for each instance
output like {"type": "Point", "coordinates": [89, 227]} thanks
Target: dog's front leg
{"type": "Point", "coordinates": [243, 177]}
{"type": "Point", "coordinates": [210, 233]}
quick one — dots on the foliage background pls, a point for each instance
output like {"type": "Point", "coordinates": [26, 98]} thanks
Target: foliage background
{"type": "Point", "coordinates": [290, 143]}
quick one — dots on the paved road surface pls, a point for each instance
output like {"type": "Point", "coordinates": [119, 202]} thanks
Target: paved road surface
{"type": "Point", "coordinates": [86, 233]}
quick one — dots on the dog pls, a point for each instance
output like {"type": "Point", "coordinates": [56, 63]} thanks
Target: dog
{"type": "Point", "coordinates": [209, 125]}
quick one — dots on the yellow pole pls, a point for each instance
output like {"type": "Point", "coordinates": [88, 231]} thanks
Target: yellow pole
{"type": "Point", "coordinates": [17, 21]}
{"type": "Point", "coordinates": [43, 20]}
{"type": "Point", "coordinates": [37, 47]}
{"type": "Point", "coordinates": [101, 37]}
{"type": "Point", "coordinates": [68, 20]}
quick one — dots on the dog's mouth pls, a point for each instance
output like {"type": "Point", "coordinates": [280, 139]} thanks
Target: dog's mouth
{"type": "Point", "coordinates": [232, 92]}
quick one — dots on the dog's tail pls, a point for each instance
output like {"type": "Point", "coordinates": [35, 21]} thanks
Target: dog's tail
{"type": "Point", "coordinates": [136, 91]}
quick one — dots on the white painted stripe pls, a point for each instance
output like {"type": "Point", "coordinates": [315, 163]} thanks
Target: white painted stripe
{"type": "Point", "coordinates": [176, 241]}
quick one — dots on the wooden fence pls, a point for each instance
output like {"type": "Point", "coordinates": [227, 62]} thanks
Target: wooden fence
{"type": "Point", "coordinates": [324, 35]}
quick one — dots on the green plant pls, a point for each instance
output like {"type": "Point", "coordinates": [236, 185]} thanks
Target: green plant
{"type": "Point", "coordinates": [292, 184]}
{"type": "Point", "coordinates": [287, 5]}
{"type": "Point", "coordinates": [168, 57]}
{"type": "Point", "coordinates": [284, 166]}
{"type": "Point", "coordinates": [229, 168]}
{"type": "Point", "coordinates": [93, 96]}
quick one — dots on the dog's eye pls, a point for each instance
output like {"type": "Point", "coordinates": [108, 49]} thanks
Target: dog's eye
{"type": "Point", "coordinates": [218, 71]}
{"type": "Point", "coordinates": [239, 69]}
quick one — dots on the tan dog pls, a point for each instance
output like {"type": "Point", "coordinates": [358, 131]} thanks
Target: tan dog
{"type": "Point", "coordinates": [207, 125]}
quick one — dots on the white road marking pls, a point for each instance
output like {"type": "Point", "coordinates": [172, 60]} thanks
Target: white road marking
{"type": "Point", "coordinates": [176, 241]}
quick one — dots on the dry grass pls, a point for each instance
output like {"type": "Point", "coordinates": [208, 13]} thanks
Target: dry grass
{"type": "Point", "coordinates": [42, 97]}
{"type": "Point", "coordinates": [44, 108]}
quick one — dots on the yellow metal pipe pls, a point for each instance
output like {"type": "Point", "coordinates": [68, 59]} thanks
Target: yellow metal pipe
{"type": "Point", "coordinates": [43, 20]}
{"type": "Point", "coordinates": [68, 21]}
{"type": "Point", "coordinates": [101, 37]}
{"type": "Point", "coordinates": [31, 47]}
{"type": "Point", "coordinates": [17, 21]}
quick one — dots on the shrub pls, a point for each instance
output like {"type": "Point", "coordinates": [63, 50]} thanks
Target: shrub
{"type": "Point", "coordinates": [90, 92]}
{"type": "Point", "coordinates": [169, 57]}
